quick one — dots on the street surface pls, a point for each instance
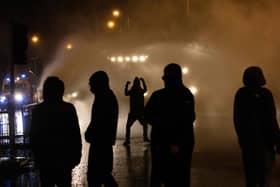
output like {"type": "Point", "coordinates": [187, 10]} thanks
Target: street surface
{"type": "Point", "coordinates": [216, 160]}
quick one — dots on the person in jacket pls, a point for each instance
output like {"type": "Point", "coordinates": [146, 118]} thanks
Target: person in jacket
{"type": "Point", "coordinates": [136, 112]}
{"type": "Point", "coordinates": [256, 127]}
{"type": "Point", "coordinates": [55, 136]}
{"type": "Point", "coordinates": [170, 111]}
{"type": "Point", "coordinates": [101, 132]}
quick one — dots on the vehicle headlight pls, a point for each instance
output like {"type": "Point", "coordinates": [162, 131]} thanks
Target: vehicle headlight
{"type": "Point", "coordinates": [19, 97]}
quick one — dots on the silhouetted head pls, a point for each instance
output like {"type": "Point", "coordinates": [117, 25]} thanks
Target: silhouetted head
{"type": "Point", "coordinates": [99, 81]}
{"type": "Point", "coordinates": [53, 89]}
{"type": "Point", "coordinates": [172, 75]}
{"type": "Point", "coordinates": [136, 82]}
{"type": "Point", "coordinates": [253, 76]}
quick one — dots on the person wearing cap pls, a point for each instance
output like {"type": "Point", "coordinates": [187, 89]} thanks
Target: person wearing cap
{"type": "Point", "coordinates": [171, 113]}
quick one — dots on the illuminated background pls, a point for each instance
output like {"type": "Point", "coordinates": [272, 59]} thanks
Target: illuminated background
{"type": "Point", "coordinates": [215, 39]}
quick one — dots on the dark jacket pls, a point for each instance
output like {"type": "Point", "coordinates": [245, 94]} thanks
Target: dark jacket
{"type": "Point", "coordinates": [104, 120]}
{"type": "Point", "coordinates": [255, 118]}
{"type": "Point", "coordinates": [171, 114]}
{"type": "Point", "coordinates": [55, 135]}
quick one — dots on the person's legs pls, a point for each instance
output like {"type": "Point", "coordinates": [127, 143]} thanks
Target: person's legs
{"type": "Point", "coordinates": [250, 169]}
{"type": "Point", "coordinates": [130, 120]}
{"type": "Point", "coordinates": [110, 181]}
{"type": "Point", "coordinates": [64, 177]}
{"type": "Point", "coordinates": [94, 167]}
{"type": "Point", "coordinates": [145, 128]}
{"type": "Point", "coordinates": [46, 177]}
{"type": "Point", "coordinates": [156, 167]}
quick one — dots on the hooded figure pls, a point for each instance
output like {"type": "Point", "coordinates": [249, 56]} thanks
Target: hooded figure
{"type": "Point", "coordinates": [55, 136]}
{"type": "Point", "coordinates": [101, 132]}
{"type": "Point", "coordinates": [256, 127]}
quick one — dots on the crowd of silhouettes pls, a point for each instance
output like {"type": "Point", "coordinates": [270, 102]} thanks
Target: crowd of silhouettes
{"type": "Point", "coordinates": [56, 139]}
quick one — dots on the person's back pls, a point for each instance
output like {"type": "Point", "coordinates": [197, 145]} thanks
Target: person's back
{"type": "Point", "coordinates": [170, 112]}
{"type": "Point", "coordinates": [55, 136]}
{"type": "Point", "coordinates": [174, 116]}
{"type": "Point", "coordinates": [254, 113]}
{"type": "Point", "coordinates": [136, 100]}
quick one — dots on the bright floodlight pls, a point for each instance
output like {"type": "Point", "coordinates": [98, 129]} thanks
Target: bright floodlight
{"type": "Point", "coordinates": [17, 78]}
{"type": "Point", "coordinates": [127, 58]}
{"type": "Point", "coordinates": [18, 97]}
{"type": "Point", "coordinates": [120, 59]}
{"type": "Point", "coordinates": [113, 59]}
{"type": "Point", "coordinates": [3, 99]}
{"type": "Point", "coordinates": [135, 58]}
{"type": "Point", "coordinates": [185, 70]}
{"type": "Point", "coordinates": [23, 76]}
{"type": "Point", "coordinates": [8, 79]}
{"type": "Point", "coordinates": [142, 58]}
{"type": "Point", "coordinates": [74, 94]}
{"type": "Point", "coordinates": [193, 89]}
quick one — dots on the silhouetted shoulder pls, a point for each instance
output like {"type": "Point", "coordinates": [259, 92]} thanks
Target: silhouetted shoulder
{"type": "Point", "coordinates": [158, 92]}
{"type": "Point", "coordinates": [245, 89]}
{"type": "Point", "coordinates": [68, 106]}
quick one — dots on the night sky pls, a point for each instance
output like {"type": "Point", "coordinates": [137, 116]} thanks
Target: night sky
{"type": "Point", "coordinates": [216, 40]}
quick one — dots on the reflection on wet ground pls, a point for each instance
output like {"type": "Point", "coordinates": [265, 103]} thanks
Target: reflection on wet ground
{"type": "Point", "coordinates": [216, 161]}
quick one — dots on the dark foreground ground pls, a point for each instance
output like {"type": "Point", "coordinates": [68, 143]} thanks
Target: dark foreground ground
{"type": "Point", "coordinates": [216, 161]}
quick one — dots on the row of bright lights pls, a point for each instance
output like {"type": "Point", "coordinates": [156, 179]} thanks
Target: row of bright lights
{"type": "Point", "coordinates": [18, 98]}
{"type": "Point", "coordinates": [120, 59]}
{"type": "Point", "coordinates": [22, 76]}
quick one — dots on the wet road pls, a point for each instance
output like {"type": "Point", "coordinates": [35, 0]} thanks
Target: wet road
{"type": "Point", "coordinates": [216, 160]}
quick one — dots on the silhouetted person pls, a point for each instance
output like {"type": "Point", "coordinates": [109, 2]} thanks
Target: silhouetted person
{"type": "Point", "coordinates": [136, 112]}
{"type": "Point", "coordinates": [101, 132]}
{"type": "Point", "coordinates": [170, 112]}
{"type": "Point", "coordinates": [256, 127]}
{"type": "Point", "coordinates": [55, 136]}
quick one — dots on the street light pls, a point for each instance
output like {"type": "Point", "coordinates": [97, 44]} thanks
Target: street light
{"type": "Point", "coordinates": [69, 46]}
{"type": "Point", "coordinates": [111, 24]}
{"type": "Point", "coordinates": [35, 39]}
{"type": "Point", "coordinates": [116, 13]}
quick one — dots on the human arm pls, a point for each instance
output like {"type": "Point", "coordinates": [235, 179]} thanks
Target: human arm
{"type": "Point", "coordinates": [144, 84]}
{"type": "Point", "coordinates": [273, 117]}
{"type": "Point", "coordinates": [126, 92]}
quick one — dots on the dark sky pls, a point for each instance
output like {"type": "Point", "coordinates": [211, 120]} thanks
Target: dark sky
{"type": "Point", "coordinates": [234, 34]}
{"type": "Point", "coordinates": [52, 19]}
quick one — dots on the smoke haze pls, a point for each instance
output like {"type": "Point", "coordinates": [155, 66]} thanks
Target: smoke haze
{"type": "Point", "coordinates": [221, 38]}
